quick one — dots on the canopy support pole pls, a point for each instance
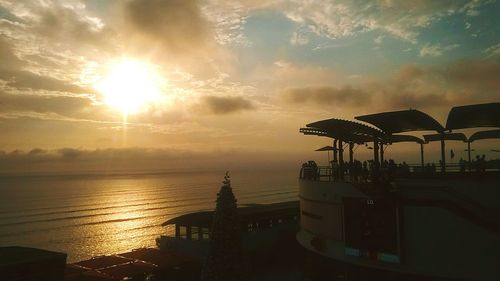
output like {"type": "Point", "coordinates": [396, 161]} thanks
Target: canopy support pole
{"type": "Point", "coordinates": [443, 156]}
{"type": "Point", "coordinates": [335, 150]}
{"type": "Point", "coordinates": [375, 161]}
{"type": "Point", "coordinates": [469, 164]}
{"type": "Point", "coordinates": [422, 156]}
{"type": "Point", "coordinates": [351, 152]}
{"type": "Point", "coordinates": [341, 159]}
{"type": "Point", "coordinates": [381, 153]}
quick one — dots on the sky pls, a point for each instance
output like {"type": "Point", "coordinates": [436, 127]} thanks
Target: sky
{"type": "Point", "coordinates": [118, 85]}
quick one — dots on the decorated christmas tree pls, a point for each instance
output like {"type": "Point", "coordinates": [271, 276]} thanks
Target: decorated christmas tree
{"type": "Point", "coordinates": [224, 261]}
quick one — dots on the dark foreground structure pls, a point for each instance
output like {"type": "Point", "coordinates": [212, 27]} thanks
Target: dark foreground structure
{"type": "Point", "coordinates": [268, 240]}
{"type": "Point", "coordinates": [139, 265]}
{"type": "Point", "coordinates": [28, 264]}
{"type": "Point", "coordinates": [384, 220]}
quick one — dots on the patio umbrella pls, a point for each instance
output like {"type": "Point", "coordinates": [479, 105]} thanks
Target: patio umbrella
{"type": "Point", "coordinates": [327, 149]}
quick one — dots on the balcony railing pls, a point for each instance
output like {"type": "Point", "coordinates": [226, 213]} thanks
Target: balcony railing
{"type": "Point", "coordinates": [367, 175]}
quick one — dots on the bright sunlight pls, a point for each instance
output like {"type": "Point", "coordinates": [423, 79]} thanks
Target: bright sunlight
{"type": "Point", "coordinates": [130, 86]}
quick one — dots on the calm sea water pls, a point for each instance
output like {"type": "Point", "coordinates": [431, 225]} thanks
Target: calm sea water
{"type": "Point", "coordinates": [86, 216]}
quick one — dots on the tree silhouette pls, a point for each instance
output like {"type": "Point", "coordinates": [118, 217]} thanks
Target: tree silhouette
{"type": "Point", "coordinates": [224, 261]}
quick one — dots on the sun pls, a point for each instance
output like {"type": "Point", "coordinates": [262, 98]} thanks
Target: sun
{"type": "Point", "coordinates": [130, 86]}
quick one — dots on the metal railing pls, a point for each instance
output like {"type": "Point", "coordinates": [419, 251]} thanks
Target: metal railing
{"type": "Point", "coordinates": [346, 174]}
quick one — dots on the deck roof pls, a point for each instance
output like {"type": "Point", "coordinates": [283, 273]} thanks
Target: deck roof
{"type": "Point", "coordinates": [345, 130]}
{"type": "Point", "coordinates": [473, 116]}
{"type": "Point", "coordinates": [447, 136]}
{"type": "Point", "coordinates": [18, 255]}
{"type": "Point", "coordinates": [403, 138]}
{"type": "Point", "coordinates": [247, 213]}
{"type": "Point", "coordinates": [482, 135]}
{"type": "Point", "coordinates": [402, 121]}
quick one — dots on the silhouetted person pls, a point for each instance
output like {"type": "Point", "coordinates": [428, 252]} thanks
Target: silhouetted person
{"type": "Point", "coordinates": [305, 171]}
{"type": "Point", "coordinates": [482, 163]}
{"type": "Point", "coordinates": [365, 171]}
{"type": "Point", "coordinates": [477, 164]}
{"type": "Point", "coordinates": [461, 164]}
{"type": "Point", "coordinates": [314, 169]}
{"type": "Point", "coordinates": [335, 170]}
{"type": "Point", "coordinates": [358, 170]}
{"type": "Point", "coordinates": [392, 168]}
{"type": "Point", "coordinates": [428, 168]}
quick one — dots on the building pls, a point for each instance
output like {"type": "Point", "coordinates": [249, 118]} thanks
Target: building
{"type": "Point", "coordinates": [389, 221]}
{"type": "Point", "coordinates": [30, 264]}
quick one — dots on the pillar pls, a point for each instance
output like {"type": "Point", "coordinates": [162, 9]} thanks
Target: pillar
{"type": "Point", "coordinates": [351, 152]}
{"type": "Point", "coordinates": [376, 163]}
{"type": "Point", "coordinates": [341, 159]}
{"type": "Point", "coordinates": [469, 165]}
{"type": "Point", "coordinates": [381, 153]}
{"type": "Point", "coordinates": [443, 156]}
{"type": "Point", "coordinates": [335, 150]}
{"type": "Point", "coordinates": [422, 156]}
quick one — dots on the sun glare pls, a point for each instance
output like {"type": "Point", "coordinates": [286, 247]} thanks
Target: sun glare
{"type": "Point", "coordinates": [130, 86]}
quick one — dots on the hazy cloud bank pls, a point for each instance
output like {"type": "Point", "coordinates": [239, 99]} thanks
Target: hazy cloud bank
{"type": "Point", "coordinates": [412, 86]}
{"type": "Point", "coordinates": [224, 105]}
{"type": "Point", "coordinates": [102, 161]}
{"type": "Point", "coordinates": [177, 26]}
{"type": "Point", "coordinates": [325, 96]}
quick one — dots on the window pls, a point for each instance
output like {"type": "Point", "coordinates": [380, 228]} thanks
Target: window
{"type": "Point", "coordinates": [182, 232]}
{"type": "Point", "coordinates": [195, 233]}
{"type": "Point", "coordinates": [205, 233]}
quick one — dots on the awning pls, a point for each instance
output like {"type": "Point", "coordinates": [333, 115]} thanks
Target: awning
{"type": "Point", "coordinates": [254, 212]}
{"type": "Point", "coordinates": [344, 130]}
{"type": "Point", "coordinates": [448, 136]}
{"type": "Point", "coordinates": [491, 134]}
{"type": "Point", "coordinates": [403, 138]}
{"type": "Point", "coordinates": [473, 116]}
{"type": "Point", "coordinates": [326, 148]}
{"type": "Point", "coordinates": [402, 121]}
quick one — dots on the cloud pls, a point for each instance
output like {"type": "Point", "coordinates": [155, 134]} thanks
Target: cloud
{"type": "Point", "coordinates": [62, 105]}
{"type": "Point", "coordinates": [435, 88]}
{"type": "Point", "coordinates": [492, 51]}
{"type": "Point", "coordinates": [463, 82]}
{"type": "Point", "coordinates": [378, 40]}
{"type": "Point", "coordinates": [436, 50]}
{"type": "Point", "coordinates": [477, 76]}
{"type": "Point", "coordinates": [7, 57]}
{"type": "Point", "coordinates": [326, 96]}
{"type": "Point", "coordinates": [326, 46]}
{"type": "Point", "coordinates": [116, 160]}
{"type": "Point", "coordinates": [70, 153]}
{"type": "Point", "coordinates": [11, 72]}
{"type": "Point", "coordinates": [299, 38]}
{"type": "Point", "coordinates": [21, 79]}
{"type": "Point", "coordinates": [402, 19]}
{"type": "Point", "coordinates": [225, 105]}
{"type": "Point", "coordinates": [415, 99]}
{"type": "Point", "coordinates": [68, 24]}
{"type": "Point", "coordinates": [36, 151]}
{"type": "Point", "coordinates": [283, 73]}
{"type": "Point", "coordinates": [175, 25]}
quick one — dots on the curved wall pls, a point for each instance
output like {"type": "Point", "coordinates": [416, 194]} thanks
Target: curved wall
{"type": "Point", "coordinates": [435, 241]}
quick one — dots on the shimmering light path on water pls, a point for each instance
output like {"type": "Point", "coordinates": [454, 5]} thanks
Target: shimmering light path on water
{"type": "Point", "coordinates": [86, 216]}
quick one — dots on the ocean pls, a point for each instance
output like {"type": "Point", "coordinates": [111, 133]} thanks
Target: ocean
{"type": "Point", "coordinates": [92, 215]}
